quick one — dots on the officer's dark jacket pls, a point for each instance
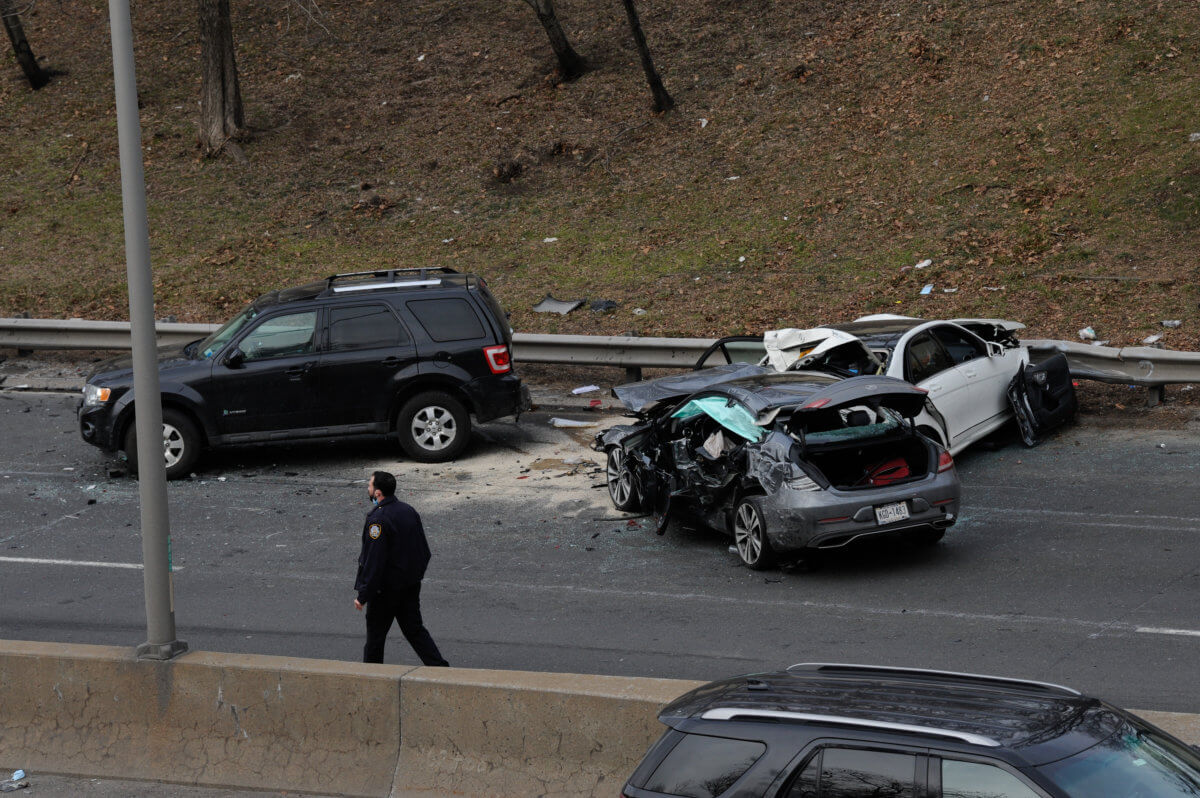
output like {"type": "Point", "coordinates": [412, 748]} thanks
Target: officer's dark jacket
{"type": "Point", "coordinates": [394, 550]}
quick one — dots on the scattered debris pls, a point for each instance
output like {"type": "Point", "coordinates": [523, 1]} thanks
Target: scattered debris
{"type": "Point", "coordinates": [549, 239]}
{"type": "Point", "coordinates": [993, 288]}
{"type": "Point", "coordinates": [1087, 334]}
{"type": "Point", "coordinates": [551, 305]}
{"type": "Point", "coordinates": [603, 305]}
{"type": "Point", "coordinates": [734, 177]}
{"type": "Point", "coordinates": [16, 782]}
{"type": "Point", "coordinates": [595, 404]}
{"type": "Point", "coordinates": [585, 389]}
{"type": "Point", "coordinates": [570, 423]}
{"type": "Point", "coordinates": [1150, 340]}
{"type": "Point", "coordinates": [1194, 137]}
{"type": "Point", "coordinates": [928, 289]}
{"type": "Point", "coordinates": [1100, 343]}
{"type": "Point", "coordinates": [639, 311]}
{"type": "Point", "coordinates": [923, 264]}
{"type": "Point", "coordinates": [949, 290]}
{"type": "Point", "coordinates": [1172, 323]}
{"type": "Point", "coordinates": [703, 123]}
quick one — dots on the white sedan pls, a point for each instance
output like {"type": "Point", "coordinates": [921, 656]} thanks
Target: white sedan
{"type": "Point", "coordinates": [975, 371]}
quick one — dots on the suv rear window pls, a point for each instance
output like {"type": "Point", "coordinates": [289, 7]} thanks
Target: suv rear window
{"type": "Point", "coordinates": [447, 319]}
{"type": "Point", "coordinates": [364, 327]}
{"type": "Point", "coordinates": [704, 767]}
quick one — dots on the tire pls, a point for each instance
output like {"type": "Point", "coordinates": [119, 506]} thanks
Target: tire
{"type": "Point", "coordinates": [623, 487]}
{"type": "Point", "coordinates": [433, 427]}
{"type": "Point", "coordinates": [750, 534]}
{"type": "Point", "coordinates": [929, 536]}
{"type": "Point", "coordinates": [181, 444]}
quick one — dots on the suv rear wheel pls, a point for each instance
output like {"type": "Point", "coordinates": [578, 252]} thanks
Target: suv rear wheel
{"type": "Point", "coordinates": [181, 444]}
{"type": "Point", "coordinates": [433, 427]}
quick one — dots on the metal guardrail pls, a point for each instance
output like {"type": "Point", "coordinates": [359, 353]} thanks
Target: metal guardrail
{"type": "Point", "coordinates": [1135, 365]}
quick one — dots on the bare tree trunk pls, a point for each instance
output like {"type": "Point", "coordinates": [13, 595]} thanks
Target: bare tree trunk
{"type": "Point", "coordinates": [662, 100]}
{"type": "Point", "coordinates": [570, 64]}
{"type": "Point", "coordinates": [221, 118]}
{"type": "Point", "coordinates": [37, 76]}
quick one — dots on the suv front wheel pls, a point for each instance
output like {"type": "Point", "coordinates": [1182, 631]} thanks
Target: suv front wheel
{"type": "Point", "coordinates": [433, 427]}
{"type": "Point", "coordinates": [181, 444]}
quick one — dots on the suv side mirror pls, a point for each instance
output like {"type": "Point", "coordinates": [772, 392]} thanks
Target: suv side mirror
{"type": "Point", "coordinates": [235, 359]}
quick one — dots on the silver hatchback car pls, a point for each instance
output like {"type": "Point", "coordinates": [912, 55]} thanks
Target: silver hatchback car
{"type": "Point", "coordinates": [784, 463]}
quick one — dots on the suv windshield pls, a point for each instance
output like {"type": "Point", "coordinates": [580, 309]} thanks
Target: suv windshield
{"type": "Point", "coordinates": [1134, 761]}
{"type": "Point", "coordinates": [210, 345]}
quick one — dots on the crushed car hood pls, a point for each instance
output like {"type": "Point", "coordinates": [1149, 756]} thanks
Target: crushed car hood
{"type": "Point", "coordinates": [638, 396]}
{"type": "Point", "coordinates": [790, 348]}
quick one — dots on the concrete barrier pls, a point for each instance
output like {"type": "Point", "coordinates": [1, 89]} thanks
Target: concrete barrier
{"type": "Point", "coordinates": [504, 734]}
{"type": "Point", "coordinates": [258, 722]}
{"type": "Point", "coordinates": [224, 720]}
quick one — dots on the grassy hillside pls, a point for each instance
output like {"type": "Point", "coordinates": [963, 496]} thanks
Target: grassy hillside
{"type": "Point", "coordinates": [1036, 150]}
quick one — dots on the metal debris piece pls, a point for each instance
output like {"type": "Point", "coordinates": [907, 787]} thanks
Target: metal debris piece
{"type": "Point", "coordinates": [551, 305]}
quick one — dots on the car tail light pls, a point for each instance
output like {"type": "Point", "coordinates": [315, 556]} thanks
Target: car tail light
{"type": "Point", "coordinates": [813, 405]}
{"type": "Point", "coordinates": [945, 461]}
{"type": "Point", "coordinates": [497, 358]}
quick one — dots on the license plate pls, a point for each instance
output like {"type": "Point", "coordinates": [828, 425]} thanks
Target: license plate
{"type": "Point", "coordinates": [891, 513]}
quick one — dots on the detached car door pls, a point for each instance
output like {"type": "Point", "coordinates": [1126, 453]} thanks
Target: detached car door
{"type": "Point", "coordinates": [266, 381]}
{"type": "Point", "coordinates": [366, 351]}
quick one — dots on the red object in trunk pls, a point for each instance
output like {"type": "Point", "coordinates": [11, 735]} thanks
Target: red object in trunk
{"type": "Point", "coordinates": [887, 472]}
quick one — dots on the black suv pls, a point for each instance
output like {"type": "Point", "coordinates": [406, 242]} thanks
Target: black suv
{"type": "Point", "coordinates": [410, 352]}
{"type": "Point", "coordinates": [853, 731]}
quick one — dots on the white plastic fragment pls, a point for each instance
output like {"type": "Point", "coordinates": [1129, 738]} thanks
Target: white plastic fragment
{"type": "Point", "coordinates": [1087, 334]}
{"type": "Point", "coordinates": [949, 290]}
{"type": "Point", "coordinates": [421, 57]}
{"type": "Point", "coordinates": [549, 240]}
{"type": "Point", "coordinates": [993, 288]}
{"type": "Point", "coordinates": [585, 389]}
{"type": "Point", "coordinates": [928, 289]}
{"type": "Point", "coordinates": [1152, 339]}
{"type": "Point", "coordinates": [291, 77]}
{"type": "Point", "coordinates": [639, 311]}
{"type": "Point", "coordinates": [703, 123]}
{"type": "Point", "coordinates": [741, 258]}
{"type": "Point", "coordinates": [1194, 137]}
{"type": "Point", "coordinates": [570, 423]}
{"type": "Point", "coordinates": [923, 264]}
{"type": "Point", "coordinates": [734, 177]}
{"type": "Point", "coordinates": [1172, 323]}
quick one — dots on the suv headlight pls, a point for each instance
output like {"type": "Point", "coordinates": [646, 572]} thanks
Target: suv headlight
{"type": "Point", "coordinates": [94, 395]}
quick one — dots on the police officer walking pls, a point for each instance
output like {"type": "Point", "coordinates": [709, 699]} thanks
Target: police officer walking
{"type": "Point", "coordinates": [390, 568]}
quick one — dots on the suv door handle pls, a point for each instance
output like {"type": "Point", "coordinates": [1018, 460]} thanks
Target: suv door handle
{"type": "Point", "coordinates": [298, 371]}
{"type": "Point", "coordinates": [391, 361]}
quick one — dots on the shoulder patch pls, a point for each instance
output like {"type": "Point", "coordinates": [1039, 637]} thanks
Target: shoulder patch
{"type": "Point", "coordinates": [374, 530]}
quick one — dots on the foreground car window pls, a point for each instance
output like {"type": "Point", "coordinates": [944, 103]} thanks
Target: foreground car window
{"type": "Point", "coordinates": [858, 773]}
{"type": "Point", "coordinates": [364, 327]}
{"type": "Point", "coordinates": [447, 319]}
{"type": "Point", "coordinates": [1136, 762]}
{"type": "Point", "coordinates": [704, 767]}
{"type": "Point", "coordinates": [972, 780]}
{"type": "Point", "coordinates": [283, 335]}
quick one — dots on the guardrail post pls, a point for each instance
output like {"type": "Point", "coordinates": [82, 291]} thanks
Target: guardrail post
{"type": "Point", "coordinates": [633, 373]}
{"type": "Point", "coordinates": [1156, 395]}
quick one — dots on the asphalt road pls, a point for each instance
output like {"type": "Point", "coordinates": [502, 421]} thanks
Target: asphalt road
{"type": "Point", "coordinates": [1076, 562]}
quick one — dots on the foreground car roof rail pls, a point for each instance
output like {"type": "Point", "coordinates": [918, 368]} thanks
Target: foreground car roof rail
{"type": "Point", "coordinates": [735, 713]}
{"type": "Point", "coordinates": [886, 670]}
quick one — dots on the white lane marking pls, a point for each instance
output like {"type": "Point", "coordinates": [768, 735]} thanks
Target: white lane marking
{"type": "Point", "coordinates": [1087, 514]}
{"type": "Point", "coordinates": [134, 566]}
{"type": "Point", "coordinates": [1155, 630]}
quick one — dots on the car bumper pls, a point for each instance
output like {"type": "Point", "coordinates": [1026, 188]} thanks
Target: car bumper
{"type": "Point", "coordinates": [498, 396]}
{"type": "Point", "coordinates": [827, 519]}
{"type": "Point", "coordinates": [95, 426]}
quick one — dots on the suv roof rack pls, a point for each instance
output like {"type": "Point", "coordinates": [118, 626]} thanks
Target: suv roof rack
{"type": "Point", "coordinates": [734, 713]}
{"type": "Point", "coordinates": [886, 670]}
{"type": "Point", "coordinates": [386, 278]}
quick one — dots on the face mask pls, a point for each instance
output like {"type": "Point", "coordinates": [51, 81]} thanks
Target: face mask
{"type": "Point", "coordinates": [375, 502]}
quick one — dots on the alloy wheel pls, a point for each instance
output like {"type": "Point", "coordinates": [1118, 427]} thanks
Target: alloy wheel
{"type": "Point", "coordinates": [434, 428]}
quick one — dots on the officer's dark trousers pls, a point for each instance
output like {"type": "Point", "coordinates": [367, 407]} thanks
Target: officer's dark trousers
{"type": "Point", "coordinates": [402, 604]}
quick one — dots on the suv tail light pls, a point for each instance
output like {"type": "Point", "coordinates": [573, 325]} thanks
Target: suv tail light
{"type": "Point", "coordinates": [945, 461]}
{"type": "Point", "coordinates": [498, 359]}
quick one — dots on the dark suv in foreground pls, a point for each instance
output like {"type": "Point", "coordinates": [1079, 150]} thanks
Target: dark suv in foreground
{"type": "Point", "coordinates": [410, 352]}
{"type": "Point", "coordinates": [854, 731]}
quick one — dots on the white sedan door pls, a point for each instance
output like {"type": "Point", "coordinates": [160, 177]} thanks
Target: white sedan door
{"type": "Point", "coordinates": [987, 377]}
{"type": "Point", "coordinates": [923, 361]}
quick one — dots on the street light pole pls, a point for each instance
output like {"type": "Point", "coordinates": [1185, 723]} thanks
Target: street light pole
{"type": "Point", "coordinates": [152, 474]}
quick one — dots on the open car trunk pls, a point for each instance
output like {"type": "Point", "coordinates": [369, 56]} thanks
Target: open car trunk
{"type": "Point", "coordinates": [859, 434]}
{"type": "Point", "coordinates": [871, 464]}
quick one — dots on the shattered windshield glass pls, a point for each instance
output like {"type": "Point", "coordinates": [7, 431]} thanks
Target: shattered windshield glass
{"type": "Point", "coordinates": [213, 343]}
{"type": "Point", "coordinates": [849, 424]}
